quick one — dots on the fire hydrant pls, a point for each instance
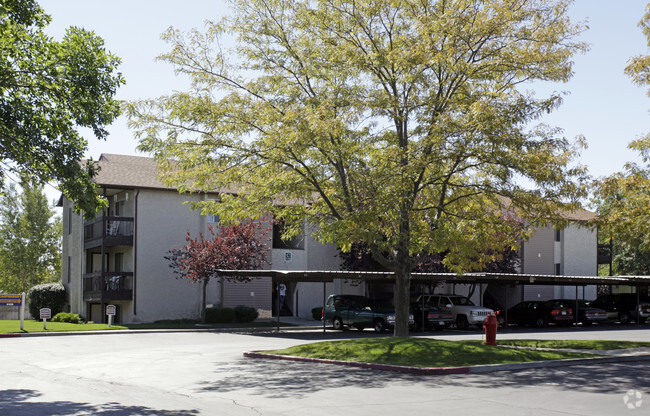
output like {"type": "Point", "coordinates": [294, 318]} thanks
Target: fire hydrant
{"type": "Point", "coordinates": [490, 328]}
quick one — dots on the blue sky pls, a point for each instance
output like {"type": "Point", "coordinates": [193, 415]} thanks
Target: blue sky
{"type": "Point", "coordinates": [603, 104]}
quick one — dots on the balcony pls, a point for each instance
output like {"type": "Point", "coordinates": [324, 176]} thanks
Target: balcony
{"type": "Point", "coordinates": [111, 231]}
{"type": "Point", "coordinates": [109, 286]}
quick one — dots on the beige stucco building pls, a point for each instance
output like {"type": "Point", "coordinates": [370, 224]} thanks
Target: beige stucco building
{"type": "Point", "coordinates": [145, 220]}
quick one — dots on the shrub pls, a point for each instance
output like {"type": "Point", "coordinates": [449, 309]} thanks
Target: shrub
{"type": "Point", "coordinates": [245, 314]}
{"type": "Point", "coordinates": [72, 318]}
{"type": "Point", "coordinates": [219, 315]}
{"type": "Point", "coordinates": [48, 295]}
{"type": "Point", "coordinates": [317, 313]}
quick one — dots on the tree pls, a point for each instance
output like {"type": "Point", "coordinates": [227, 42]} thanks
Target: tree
{"type": "Point", "coordinates": [30, 238]}
{"type": "Point", "coordinates": [398, 123]}
{"type": "Point", "coordinates": [232, 247]}
{"type": "Point", "coordinates": [47, 90]}
{"type": "Point", "coordinates": [623, 199]}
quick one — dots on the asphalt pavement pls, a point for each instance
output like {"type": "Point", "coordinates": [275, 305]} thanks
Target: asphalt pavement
{"type": "Point", "coordinates": [205, 373]}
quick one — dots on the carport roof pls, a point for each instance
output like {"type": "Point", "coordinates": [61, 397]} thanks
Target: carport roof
{"type": "Point", "coordinates": [501, 278]}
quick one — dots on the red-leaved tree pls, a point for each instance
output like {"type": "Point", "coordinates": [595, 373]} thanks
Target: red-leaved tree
{"type": "Point", "coordinates": [231, 247]}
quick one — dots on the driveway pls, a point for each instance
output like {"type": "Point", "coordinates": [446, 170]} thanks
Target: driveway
{"type": "Point", "coordinates": [178, 374]}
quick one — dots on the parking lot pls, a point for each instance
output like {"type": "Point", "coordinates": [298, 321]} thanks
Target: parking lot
{"type": "Point", "coordinates": [202, 373]}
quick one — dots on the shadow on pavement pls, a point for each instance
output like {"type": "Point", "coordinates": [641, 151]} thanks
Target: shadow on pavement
{"type": "Point", "coordinates": [284, 379]}
{"type": "Point", "coordinates": [21, 403]}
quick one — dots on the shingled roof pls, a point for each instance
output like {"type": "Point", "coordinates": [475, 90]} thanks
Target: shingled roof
{"type": "Point", "coordinates": [121, 171]}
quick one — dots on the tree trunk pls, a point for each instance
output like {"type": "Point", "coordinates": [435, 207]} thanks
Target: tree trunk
{"type": "Point", "coordinates": [402, 298]}
{"type": "Point", "coordinates": [204, 300]}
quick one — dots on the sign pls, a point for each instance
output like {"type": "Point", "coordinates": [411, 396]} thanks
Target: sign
{"type": "Point", "coordinates": [46, 313]}
{"type": "Point", "coordinates": [11, 300]}
{"type": "Point", "coordinates": [110, 310]}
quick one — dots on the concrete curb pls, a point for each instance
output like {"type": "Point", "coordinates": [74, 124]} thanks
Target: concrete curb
{"type": "Point", "coordinates": [488, 368]}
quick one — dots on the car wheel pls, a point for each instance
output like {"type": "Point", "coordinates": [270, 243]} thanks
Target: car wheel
{"type": "Point", "coordinates": [461, 322]}
{"type": "Point", "coordinates": [642, 321]}
{"type": "Point", "coordinates": [380, 326]}
{"type": "Point", "coordinates": [337, 323]}
{"type": "Point", "coordinates": [540, 322]}
{"type": "Point", "coordinates": [624, 317]}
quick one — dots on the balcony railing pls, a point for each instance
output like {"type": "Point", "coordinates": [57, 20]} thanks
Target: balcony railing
{"type": "Point", "coordinates": [113, 231]}
{"type": "Point", "coordinates": [108, 286]}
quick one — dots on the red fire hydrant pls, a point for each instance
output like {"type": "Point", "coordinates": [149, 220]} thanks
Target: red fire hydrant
{"type": "Point", "coordinates": [490, 327]}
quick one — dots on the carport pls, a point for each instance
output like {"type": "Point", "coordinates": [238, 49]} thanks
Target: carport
{"type": "Point", "coordinates": [505, 279]}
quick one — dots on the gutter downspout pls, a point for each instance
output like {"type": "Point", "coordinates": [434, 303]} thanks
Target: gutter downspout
{"type": "Point", "coordinates": [135, 252]}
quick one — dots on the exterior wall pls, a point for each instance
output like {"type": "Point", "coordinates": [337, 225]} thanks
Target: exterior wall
{"type": "Point", "coordinates": [161, 224]}
{"type": "Point", "coordinates": [579, 250]}
{"type": "Point", "coordinates": [72, 247]}
{"type": "Point", "coordinates": [304, 296]}
{"type": "Point", "coordinates": [539, 252]}
{"type": "Point", "coordinates": [539, 258]}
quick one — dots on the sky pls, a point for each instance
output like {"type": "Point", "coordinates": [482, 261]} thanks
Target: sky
{"type": "Point", "coordinates": [602, 103]}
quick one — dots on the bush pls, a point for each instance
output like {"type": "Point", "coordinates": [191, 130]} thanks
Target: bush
{"type": "Point", "coordinates": [317, 313]}
{"type": "Point", "coordinates": [48, 295]}
{"type": "Point", "coordinates": [245, 314]}
{"type": "Point", "coordinates": [219, 315]}
{"type": "Point", "coordinates": [72, 318]}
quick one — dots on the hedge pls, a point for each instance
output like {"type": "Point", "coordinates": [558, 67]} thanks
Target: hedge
{"type": "Point", "coordinates": [48, 295]}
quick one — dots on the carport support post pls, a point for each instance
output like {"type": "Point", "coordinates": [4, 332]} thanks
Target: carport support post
{"type": "Point", "coordinates": [638, 306]}
{"type": "Point", "coordinates": [576, 312]}
{"type": "Point", "coordinates": [323, 310]}
{"type": "Point", "coordinates": [277, 290]}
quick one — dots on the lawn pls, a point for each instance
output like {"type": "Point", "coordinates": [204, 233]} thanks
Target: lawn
{"type": "Point", "coordinates": [421, 352]}
{"type": "Point", "coordinates": [13, 326]}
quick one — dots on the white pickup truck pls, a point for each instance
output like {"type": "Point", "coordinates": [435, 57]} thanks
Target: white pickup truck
{"type": "Point", "coordinates": [464, 311]}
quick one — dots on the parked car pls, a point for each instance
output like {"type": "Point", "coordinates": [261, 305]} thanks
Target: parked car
{"type": "Point", "coordinates": [540, 313]}
{"type": "Point", "coordinates": [463, 310]}
{"type": "Point", "coordinates": [433, 318]}
{"type": "Point", "coordinates": [360, 312]}
{"type": "Point", "coordinates": [624, 307]}
{"type": "Point", "coordinates": [586, 314]}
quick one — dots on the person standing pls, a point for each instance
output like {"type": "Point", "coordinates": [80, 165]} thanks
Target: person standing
{"type": "Point", "coordinates": [283, 292]}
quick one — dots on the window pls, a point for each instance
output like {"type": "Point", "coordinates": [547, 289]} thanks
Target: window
{"type": "Point", "coordinates": [296, 243]}
{"type": "Point", "coordinates": [69, 271]}
{"type": "Point", "coordinates": [558, 269]}
{"type": "Point", "coordinates": [69, 220]}
{"type": "Point", "coordinates": [119, 208]}
{"type": "Point", "coordinates": [213, 218]}
{"type": "Point", "coordinates": [558, 235]}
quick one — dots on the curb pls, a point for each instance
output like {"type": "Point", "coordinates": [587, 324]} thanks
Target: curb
{"type": "Point", "coordinates": [487, 368]}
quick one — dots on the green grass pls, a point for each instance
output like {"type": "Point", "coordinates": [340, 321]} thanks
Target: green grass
{"type": "Point", "coordinates": [13, 326]}
{"type": "Point", "coordinates": [420, 352]}
{"type": "Point", "coordinates": [575, 344]}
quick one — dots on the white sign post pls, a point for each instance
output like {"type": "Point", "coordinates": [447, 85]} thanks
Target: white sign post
{"type": "Point", "coordinates": [46, 313]}
{"type": "Point", "coordinates": [110, 311]}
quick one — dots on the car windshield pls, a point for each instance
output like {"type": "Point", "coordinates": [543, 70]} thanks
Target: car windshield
{"type": "Point", "coordinates": [381, 304]}
{"type": "Point", "coordinates": [569, 303]}
{"type": "Point", "coordinates": [461, 300]}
